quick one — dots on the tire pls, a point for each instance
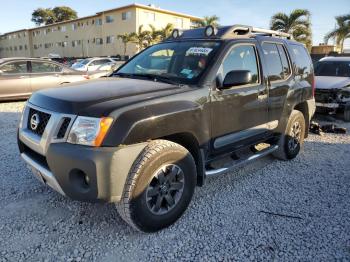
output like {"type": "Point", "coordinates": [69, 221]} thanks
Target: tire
{"type": "Point", "coordinates": [347, 113]}
{"type": "Point", "coordinates": [159, 169]}
{"type": "Point", "coordinates": [288, 146]}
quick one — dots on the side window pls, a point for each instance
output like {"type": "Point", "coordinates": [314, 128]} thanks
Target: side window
{"type": "Point", "coordinates": [284, 60]}
{"type": "Point", "coordinates": [14, 68]}
{"type": "Point", "coordinates": [45, 67]}
{"type": "Point", "coordinates": [241, 58]}
{"type": "Point", "coordinates": [302, 60]}
{"type": "Point", "coordinates": [273, 61]}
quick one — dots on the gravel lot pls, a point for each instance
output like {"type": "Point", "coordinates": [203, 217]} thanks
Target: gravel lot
{"type": "Point", "coordinates": [272, 210]}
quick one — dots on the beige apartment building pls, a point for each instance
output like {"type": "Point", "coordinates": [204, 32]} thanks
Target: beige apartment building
{"type": "Point", "coordinates": [94, 35]}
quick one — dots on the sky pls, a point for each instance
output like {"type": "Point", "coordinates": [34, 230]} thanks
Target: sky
{"type": "Point", "coordinates": [16, 14]}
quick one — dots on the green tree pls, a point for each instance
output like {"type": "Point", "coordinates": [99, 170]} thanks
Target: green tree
{"type": "Point", "coordinates": [142, 38]}
{"type": "Point", "coordinates": [166, 31]}
{"type": "Point", "coordinates": [127, 38]}
{"type": "Point", "coordinates": [341, 32]}
{"type": "Point", "coordinates": [153, 36]}
{"type": "Point", "coordinates": [297, 23]}
{"type": "Point", "coordinates": [208, 20]}
{"type": "Point", "coordinates": [43, 16]}
{"type": "Point", "coordinates": [49, 16]}
{"type": "Point", "coordinates": [64, 13]}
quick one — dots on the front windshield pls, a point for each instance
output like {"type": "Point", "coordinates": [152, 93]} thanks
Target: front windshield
{"type": "Point", "coordinates": [181, 62]}
{"type": "Point", "coordinates": [333, 68]}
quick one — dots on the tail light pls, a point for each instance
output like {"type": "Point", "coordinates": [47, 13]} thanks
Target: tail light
{"type": "Point", "coordinates": [86, 76]}
{"type": "Point", "coordinates": [313, 86]}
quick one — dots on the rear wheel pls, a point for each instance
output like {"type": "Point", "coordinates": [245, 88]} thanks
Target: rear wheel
{"type": "Point", "coordinates": [347, 113]}
{"type": "Point", "coordinates": [292, 140]}
{"type": "Point", "coordinates": [159, 187]}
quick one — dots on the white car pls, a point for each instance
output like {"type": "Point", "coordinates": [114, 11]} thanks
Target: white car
{"type": "Point", "coordinates": [332, 92]}
{"type": "Point", "coordinates": [91, 64]}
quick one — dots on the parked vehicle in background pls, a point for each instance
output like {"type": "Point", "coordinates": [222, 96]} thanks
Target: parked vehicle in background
{"type": "Point", "coordinates": [91, 64]}
{"type": "Point", "coordinates": [105, 70]}
{"type": "Point", "coordinates": [20, 77]}
{"type": "Point", "coordinates": [332, 92]}
{"type": "Point", "coordinates": [199, 104]}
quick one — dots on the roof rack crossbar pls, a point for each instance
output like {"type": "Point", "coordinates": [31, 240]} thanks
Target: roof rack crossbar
{"type": "Point", "coordinates": [239, 30]}
{"type": "Point", "coordinates": [271, 32]}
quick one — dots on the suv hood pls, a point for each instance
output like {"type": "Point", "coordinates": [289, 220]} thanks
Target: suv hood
{"type": "Point", "coordinates": [100, 97]}
{"type": "Point", "coordinates": [330, 82]}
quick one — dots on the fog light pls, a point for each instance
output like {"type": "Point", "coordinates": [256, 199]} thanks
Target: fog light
{"type": "Point", "coordinates": [80, 180]}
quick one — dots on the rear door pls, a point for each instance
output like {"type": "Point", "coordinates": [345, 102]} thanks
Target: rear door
{"type": "Point", "coordinates": [14, 79]}
{"type": "Point", "coordinates": [279, 77]}
{"type": "Point", "coordinates": [45, 75]}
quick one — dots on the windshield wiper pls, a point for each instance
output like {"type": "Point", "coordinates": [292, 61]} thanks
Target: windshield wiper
{"type": "Point", "coordinates": [152, 77]}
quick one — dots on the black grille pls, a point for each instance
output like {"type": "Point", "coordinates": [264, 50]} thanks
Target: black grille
{"type": "Point", "coordinates": [325, 96]}
{"type": "Point", "coordinates": [43, 120]}
{"type": "Point", "coordinates": [63, 129]}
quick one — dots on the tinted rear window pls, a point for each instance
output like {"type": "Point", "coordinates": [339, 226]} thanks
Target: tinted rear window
{"type": "Point", "coordinates": [302, 60]}
{"type": "Point", "coordinates": [333, 68]}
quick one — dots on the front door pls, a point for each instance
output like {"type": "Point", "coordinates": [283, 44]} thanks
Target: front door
{"type": "Point", "coordinates": [14, 80]}
{"type": "Point", "coordinates": [240, 113]}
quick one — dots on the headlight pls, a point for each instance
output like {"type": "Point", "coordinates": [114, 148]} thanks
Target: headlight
{"type": "Point", "coordinates": [89, 131]}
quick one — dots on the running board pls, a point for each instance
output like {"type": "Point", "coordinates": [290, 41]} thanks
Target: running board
{"type": "Point", "coordinates": [220, 171]}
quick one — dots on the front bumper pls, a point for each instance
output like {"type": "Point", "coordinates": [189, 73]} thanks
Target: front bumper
{"type": "Point", "coordinates": [79, 172]}
{"type": "Point", "coordinates": [83, 173]}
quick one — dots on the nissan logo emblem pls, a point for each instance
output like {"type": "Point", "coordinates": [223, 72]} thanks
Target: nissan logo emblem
{"type": "Point", "coordinates": [34, 122]}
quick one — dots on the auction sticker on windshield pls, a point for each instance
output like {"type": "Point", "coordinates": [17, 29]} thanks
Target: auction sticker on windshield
{"type": "Point", "coordinates": [199, 51]}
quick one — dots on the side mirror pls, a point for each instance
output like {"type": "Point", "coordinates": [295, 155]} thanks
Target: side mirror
{"type": "Point", "coordinates": [237, 78]}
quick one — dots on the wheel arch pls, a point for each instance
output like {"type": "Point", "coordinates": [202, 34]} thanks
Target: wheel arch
{"type": "Point", "coordinates": [304, 109]}
{"type": "Point", "coordinates": [190, 142]}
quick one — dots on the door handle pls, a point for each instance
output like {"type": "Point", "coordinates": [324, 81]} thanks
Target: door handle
{"type": "Point", "coordinates": [22, 77]}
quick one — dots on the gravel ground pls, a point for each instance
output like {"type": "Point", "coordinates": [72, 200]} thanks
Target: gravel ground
{"type": "Point", "coordinates": [272, 210]}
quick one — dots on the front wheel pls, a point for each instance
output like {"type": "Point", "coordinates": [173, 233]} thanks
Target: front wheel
{"type": "Point", "coordinates": [292, 140]}
{"type": "Point", "coordinates": [159, 187]}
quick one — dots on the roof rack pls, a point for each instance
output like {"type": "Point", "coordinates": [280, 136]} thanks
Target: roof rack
{"type": "Point", "coordinates": [227, 32]}
{"type": "Point", "coordinates": [243, 30]}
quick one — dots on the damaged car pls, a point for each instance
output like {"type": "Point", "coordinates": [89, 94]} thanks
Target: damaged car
{"type": "Point", "coordinates": [332, 92]}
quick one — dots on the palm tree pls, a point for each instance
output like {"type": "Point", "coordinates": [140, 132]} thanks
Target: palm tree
{"type": "Point", "coordinates": [142, 38]}
{"type": "Point", "coordinates": [297, 23]}
{"type": "Point", "coordinates": [127, 38]}
{"type": "Point", "coordinates": [341, 33]}
{"type": "Point", "coordinates": [208, 20]}
{"type": "Point", "coordinates": [165, 32]}
{"type": "Point", "coordinates": [154, 35]}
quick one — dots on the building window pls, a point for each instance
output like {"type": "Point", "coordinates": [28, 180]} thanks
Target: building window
{"type": "Point", "coordinates": [20, 47]}
{"type": "Point", "coordinates": [109, 19]}
{"type": "Point", "coordinates": [150, 16]}
{"type": "Point", "coordinates": [126, 15]}
{"type": "Point", "coordinates": [76, 43]}
{"type": "Point", "coordinates": [99, 21]}
{"type": "Point", "coordinates": [110, 39]}
{"type": "Point", "coordinates": [74, 27]}
{"type": "Point", "coordinates": [99, 41]}
{"type": "Point", "coordinates": [25, 47]}
{"type": "Point", "coordinates": [63, 28]}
